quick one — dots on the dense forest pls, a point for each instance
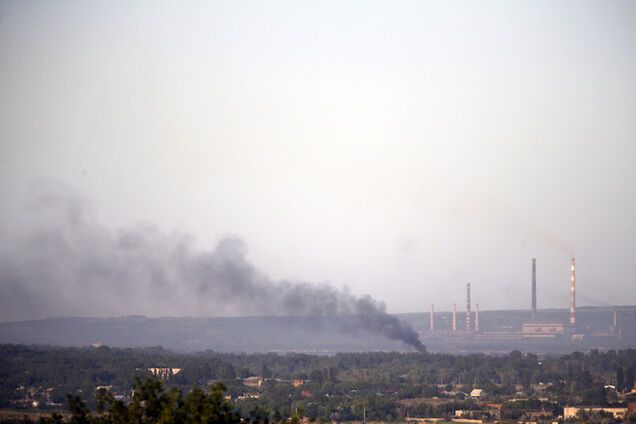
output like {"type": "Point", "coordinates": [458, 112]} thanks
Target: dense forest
{"type": "Point", "coordinates": [345, 386]}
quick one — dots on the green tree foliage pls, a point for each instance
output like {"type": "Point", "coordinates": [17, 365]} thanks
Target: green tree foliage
{"type": "Point", "coordinates": [620, 379]}
{"type": "Point", "coordinates": [629, 379]}
{"type": "Point", "coordinates": [152, 403]}
{"type": "Point", "coordinates": [387, 385]}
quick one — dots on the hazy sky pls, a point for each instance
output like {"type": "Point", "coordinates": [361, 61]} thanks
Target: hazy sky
{"type": "Point", "coordinates": [401, 149]}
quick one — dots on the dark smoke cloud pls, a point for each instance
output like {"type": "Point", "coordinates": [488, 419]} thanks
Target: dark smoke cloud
{"type": "Point", "coordinates": [67, 264]}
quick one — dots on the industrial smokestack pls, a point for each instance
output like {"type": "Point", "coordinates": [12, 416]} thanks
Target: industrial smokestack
{"type": "Point", "coordinates": [572, 294]}
{"type": "Point", "coordinates": [454, 316]}
{"type": "Point", "coordinates": [467, 306]}
{"type": "Point", "coordinates": [615, 320]}
{"type": "Point", "coordinates": [534, 288]}
{"type": "Point", "coordinates": [432, 323]}
{"type": "Point", "coordinates": [476, 316]}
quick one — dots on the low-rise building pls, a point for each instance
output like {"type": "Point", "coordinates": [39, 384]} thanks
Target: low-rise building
{"type": "Point", "coordinates": [164, 372]}
{"type": "Point", "coordinates": [538, 330]}
{"type": "Point", "coordinates": [478, 394]}
{"type": "Point", "coordinates": [572, 411]}
{"type": "Point", "coordinates": [253, 381]}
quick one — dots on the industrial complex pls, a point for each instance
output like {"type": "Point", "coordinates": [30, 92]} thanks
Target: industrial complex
{"type": "Point", "coordinates": [534, 327]}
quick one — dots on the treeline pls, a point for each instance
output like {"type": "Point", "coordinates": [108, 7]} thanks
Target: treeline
{"type": "Point", "coordinates": [152, 403]}
{"type": "Point", "coordinates": [346, 386]}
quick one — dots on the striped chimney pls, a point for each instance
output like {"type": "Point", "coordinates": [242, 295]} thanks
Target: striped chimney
{"type": "Point", "coordinates": [454, 316]}
{"type": "Point", "coordinates": [572, 293]}
{"type": "Point", "coordinates": [467, 306]}
{"type": "Point", "coordinates": [476, 316]}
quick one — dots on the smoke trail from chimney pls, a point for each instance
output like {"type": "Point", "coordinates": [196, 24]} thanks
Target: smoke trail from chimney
{"type": "Point", "coordinates": [67, 264]}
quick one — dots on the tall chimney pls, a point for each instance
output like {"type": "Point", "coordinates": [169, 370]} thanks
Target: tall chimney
{"type": "Point", "coordinates": [476, 317]}
{"type": "Point", "coordinates": [432, 323]}
{"type": "Point", "coordinates": [467, 306]}
{"type": "Point", "coordinates": [454, 316]}
{"type": "Point", "coordinates": [534, 288]}
{"type": "Point", "coordinates": [572, 294]}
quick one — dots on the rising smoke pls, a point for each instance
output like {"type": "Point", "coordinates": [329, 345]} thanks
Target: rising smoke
{"type": "Point", "coordinates": [67, 264]}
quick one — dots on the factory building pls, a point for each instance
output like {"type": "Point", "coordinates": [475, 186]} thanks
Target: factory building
{"type": "Point", "coordinates": [542, 330]}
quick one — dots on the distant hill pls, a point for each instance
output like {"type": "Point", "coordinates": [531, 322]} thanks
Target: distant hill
{"type": "Point", "coordinates": [244, 334]}
{"type": "Point", "coordinates": [324, 335]}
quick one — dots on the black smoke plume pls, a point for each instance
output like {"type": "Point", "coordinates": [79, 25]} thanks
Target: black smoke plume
{"type": "Point", "coordinates": [67, 264]}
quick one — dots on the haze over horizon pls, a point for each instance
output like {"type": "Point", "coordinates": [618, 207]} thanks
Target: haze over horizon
{"type": "Point", "coordinates": [400, 149]}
